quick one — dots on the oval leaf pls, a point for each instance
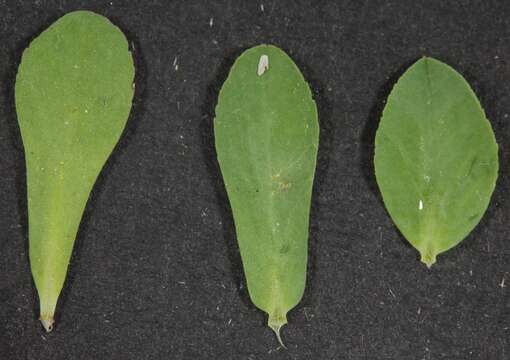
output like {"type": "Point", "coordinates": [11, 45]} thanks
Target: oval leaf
{"type": "Point", "coordinates": [266, 132]}
{"type": "Point", "coordinates": [73, 96]}
{"type": "Point", "coordinates": [436, 158]}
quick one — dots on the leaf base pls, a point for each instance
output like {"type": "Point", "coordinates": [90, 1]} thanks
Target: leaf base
{"type": "Point", "coordinates": [47, 323]}
{"type": "Point", "coordinates": [275, 323]}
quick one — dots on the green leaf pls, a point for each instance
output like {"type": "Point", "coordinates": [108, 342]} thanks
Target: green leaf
{"type": "Point", "coordinates": [73, 96]}
{"type": "Point", "coordinates": [266, 132]}
{"type": "Point", "coordinates": [436, 158]}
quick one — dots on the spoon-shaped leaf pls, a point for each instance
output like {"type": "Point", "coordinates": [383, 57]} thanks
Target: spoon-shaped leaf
{"type": "Point", "coordinates": [267, 135]}
{"type": "Point", "coordinates": [73, 96]}
{"type": "Point", "coordinates": [436, 158]}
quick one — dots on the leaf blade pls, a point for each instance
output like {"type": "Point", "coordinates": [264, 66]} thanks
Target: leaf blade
{"type": "Point", "coordinates": [266, 133]}
{"type": "Point", "coordinates": [73, 96]}
{"type": "Point", "coordinates": [436, 160]}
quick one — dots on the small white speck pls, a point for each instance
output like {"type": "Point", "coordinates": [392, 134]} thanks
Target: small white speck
{"type": "Point", "coordinates": [502, 284]}
{"type": "Point", "coordinates": [262, 7]}
{"type": "Point", "coordinates": [66, 122]}
{"type": "Point", "coordinates": [263, 65]}
{"type": "Point", "coordinates": [211, 22]}
{"type": "Point", "coordinates": [75, 66]}
{"type": "Point", "coordinates": [426, 178]}
{"type": "Point", "coordinates": [86, 111]}
{"type": "Point", "coordinates": [230, 321]}
{"type": "Point", "coordinates": [181, 282]}
{"type": "Point", "coordinates": [175, 65]}
{"type": "Point", "coordinates": [420, 205]}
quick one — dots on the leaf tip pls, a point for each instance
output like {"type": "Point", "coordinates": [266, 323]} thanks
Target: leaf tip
{"type": "Point", "coordinates": [47, 323]}
{"type": "Point", "coordinates": [276, 329]}
{"type": "Point", "coordinates": [428, 259]}
{"type": "Point", "coordinates": [276, 323]}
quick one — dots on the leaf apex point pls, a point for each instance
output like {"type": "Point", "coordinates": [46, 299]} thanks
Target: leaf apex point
{"type": "Point", "coordinates": [428, 259]}
{"type": "Point", "coordinates": [276, 323]}
{"type": "Point", "coordinates": [276, 329]}
{"type": "Point", "coordinates": [47, 323]}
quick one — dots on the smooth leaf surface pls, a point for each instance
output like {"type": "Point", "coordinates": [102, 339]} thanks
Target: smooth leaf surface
{"type": "Point", "coordinates": [436, 158]}
{"type": "Point", "coordinates": [73, 96]}
{"type": "Point", "coordinates": [266, 132]}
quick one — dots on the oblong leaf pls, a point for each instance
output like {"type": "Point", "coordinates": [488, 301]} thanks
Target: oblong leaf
{"type": "Point", "coordinates": [73, 96]}
{"type": "Point", "coordinates": [436, 158]}
{"type": "Point", "coordinates": [266, 132]}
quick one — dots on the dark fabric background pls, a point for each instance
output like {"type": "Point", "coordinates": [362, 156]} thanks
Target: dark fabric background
{"type": "Point", "coordinates": [156, 272]}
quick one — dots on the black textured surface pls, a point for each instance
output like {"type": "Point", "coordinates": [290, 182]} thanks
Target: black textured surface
{"type": "Point", "coordinates": [156, 273]}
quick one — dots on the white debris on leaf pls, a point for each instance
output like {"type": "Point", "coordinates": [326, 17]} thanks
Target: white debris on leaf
{"type": "Point", "coordinates": [263, 65]}
{"type": "Point", "coordinates": [420, 205]}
